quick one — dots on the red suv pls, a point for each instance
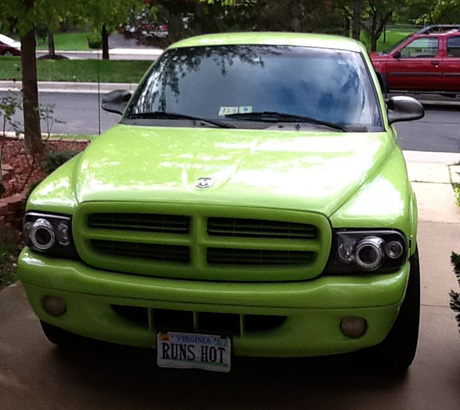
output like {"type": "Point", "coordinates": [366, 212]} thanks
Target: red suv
{"type": "Point", "coordinates": [426, 61]}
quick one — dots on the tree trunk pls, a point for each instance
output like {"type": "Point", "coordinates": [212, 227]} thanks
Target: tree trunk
{"type": "Point", "coordinates": [374, 38]}
{"type": "Point", "coordinates": [357, 12]}
{"type": "Point", "coordinates": [105, 43]}
{"type": "Point", "coordinates": [51, 47]}
{"type": "Point", "coordinates": [32, 132]}
{"type": "Point", "coordinates": [198, 17]}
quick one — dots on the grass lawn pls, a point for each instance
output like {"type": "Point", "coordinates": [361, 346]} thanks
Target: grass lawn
{"type": "Point", "coordinates": [117, 71]}
{"type": "Point", "coordinates": [392, 38]}
{"type": "Point", "coordinates": [66, 41]}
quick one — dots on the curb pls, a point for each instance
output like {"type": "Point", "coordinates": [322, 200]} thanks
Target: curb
{"type": "Point", "coordinates": [154, 52]}
{"type": "Point", "coordinates": [69, 87]}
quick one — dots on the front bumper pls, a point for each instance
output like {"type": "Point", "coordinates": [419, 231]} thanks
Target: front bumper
{"type": "Point", "coordinates": [312, 310]}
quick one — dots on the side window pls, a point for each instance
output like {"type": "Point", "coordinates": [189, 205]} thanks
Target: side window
{"type": "Point", "coordinates": [421, 47]}
{"type": "Point", "coordinates": [453, 47]}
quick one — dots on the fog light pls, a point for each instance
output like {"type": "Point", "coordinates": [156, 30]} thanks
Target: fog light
{"type": "Point", "coordinates": [54, 305]}
{"type": "Point", "coordinates": [353, 326]}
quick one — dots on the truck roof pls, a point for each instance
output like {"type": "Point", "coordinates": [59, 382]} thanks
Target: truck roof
{"type": "Point", "coordinates": [272, 38]}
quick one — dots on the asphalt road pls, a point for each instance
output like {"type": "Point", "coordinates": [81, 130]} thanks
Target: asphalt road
{"type": "Point", "coordinates": [79, 113]}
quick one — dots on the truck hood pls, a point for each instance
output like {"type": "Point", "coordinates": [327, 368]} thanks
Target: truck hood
{"type": "Point", "coordinates": [311, 171]}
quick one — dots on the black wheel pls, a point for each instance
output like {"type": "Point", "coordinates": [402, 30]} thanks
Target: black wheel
{"type": "Point", "coordinates": [398, 350]}
{"type": "Point", "coordinates": [8, 53]}
{"type": "Point", "coordinates": [61, 337]}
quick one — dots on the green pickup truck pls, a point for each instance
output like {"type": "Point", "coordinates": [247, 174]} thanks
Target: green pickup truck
{"type": "Point", "coordinates": [252, 201]}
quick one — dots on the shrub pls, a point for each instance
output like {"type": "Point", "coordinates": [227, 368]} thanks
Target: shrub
{"type": "Point", "coordinates": [9, 250]}
{"type": "Point", "coordinates": [55, 159]}
{"type": "Point", "coordinates": [31, 187]}
{"type": "Point", "coordinates": [95, 40]}
{"type": "Point", "coordinates": [454, 296]}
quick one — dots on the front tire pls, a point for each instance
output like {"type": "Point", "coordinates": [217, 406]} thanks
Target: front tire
{"type": "Point", "coordinates": [397, 351]}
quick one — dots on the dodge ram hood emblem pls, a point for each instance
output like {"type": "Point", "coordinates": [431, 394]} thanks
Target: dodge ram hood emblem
{"type": "Point", "coordinates": [204, 183]}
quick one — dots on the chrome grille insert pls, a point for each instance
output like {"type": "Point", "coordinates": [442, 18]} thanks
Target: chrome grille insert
{"type": "Point", "coordinates": [258, 228]}
{"type": "Point", "coordinates": [153, 252]}
{"type": "Point", "coordinates": [158, 223]}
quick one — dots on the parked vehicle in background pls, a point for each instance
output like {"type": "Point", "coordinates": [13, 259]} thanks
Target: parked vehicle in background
{"type": "Point", "coordinates": [426, 61]}
{"type": "Point", "coordinates": [253, 201]}
{"type": "Point", "coordinates": [142, 26]}
{"type": "Point", "coordinates": [9, 47]}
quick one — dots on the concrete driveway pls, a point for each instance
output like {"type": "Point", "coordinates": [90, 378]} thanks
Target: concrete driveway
{"type": "Point", "coordinates": [36, 375]}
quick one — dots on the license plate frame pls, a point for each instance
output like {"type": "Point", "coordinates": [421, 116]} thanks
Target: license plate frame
{"type": "Point", "coordinates": [183, 350]}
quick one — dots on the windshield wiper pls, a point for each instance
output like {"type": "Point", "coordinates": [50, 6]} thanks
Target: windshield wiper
{"type": "Point", "coordinates": [164, 115]}
{"type": "Point", "coordinates": [273, 116]}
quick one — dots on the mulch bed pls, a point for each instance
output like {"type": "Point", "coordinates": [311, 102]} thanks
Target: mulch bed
{"type": "Point", "coordinates": [23, 170]}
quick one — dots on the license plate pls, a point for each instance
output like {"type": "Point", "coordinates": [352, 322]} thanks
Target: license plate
{"type": "Point", "coordinates": [193, 351]}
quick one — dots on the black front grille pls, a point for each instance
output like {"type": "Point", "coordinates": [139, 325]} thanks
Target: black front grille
{"type": "Point", "coordinates": [199, 322]}
{"type": "Point", "coordinates": [261, 257]}
{"type": "Point", "coordinates": [258, 228]}
{"type": "Point", "coordinates": [153, 252]}
{"type": "Point", "coordinates": [159, 223]}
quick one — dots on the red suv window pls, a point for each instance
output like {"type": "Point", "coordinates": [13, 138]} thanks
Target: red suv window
{"type": "Point", "coordinates": [421, 47]}
{"type": "Point", "coordinates": [453, 47]}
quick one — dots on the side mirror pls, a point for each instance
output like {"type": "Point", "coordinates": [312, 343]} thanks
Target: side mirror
{"type": "Point", "coordinates": [116, 101]}
{"type": "Point", "coordinates": [404, 109]}
{"type": "Point", "coordinates": [397, 54]}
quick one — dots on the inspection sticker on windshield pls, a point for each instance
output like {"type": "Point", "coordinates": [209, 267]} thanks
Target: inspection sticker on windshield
{"type": "Point", "coordinates": [245, 109]}
{"type": "Point", "coordinates": [193, 351]}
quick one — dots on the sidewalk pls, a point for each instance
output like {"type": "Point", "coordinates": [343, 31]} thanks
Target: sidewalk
{"type": "Point", "coordinates": [432, 175]}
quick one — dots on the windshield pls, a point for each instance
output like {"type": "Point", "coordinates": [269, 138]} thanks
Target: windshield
{"type": "Point", "coordinates": [218, 82]}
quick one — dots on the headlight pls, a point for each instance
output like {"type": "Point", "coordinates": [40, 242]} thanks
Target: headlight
{"type": "Point", "coordinates": [354, 251]}
{"type": "Point", "coordinates": [50, 234]}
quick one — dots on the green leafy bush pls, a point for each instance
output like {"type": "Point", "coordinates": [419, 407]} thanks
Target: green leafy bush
{"type": "Point", "coordinates": [95, 40]}
{"type": "Point", "coordinates": [9, 250]}
{"type": "Point", "coordinates": [457, 193]}
{"type": "Point", "coordinates": [55, 159]}
{"type": "Point", "coordinates": [454, 296]}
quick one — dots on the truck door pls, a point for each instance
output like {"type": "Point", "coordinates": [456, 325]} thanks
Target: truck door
{"type": "Point", "coordinates": [416, 66]}
{"type": "Point", "coordinates": [451, 65]}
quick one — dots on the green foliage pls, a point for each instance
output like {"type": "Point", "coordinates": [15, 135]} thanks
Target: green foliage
{"type": "Point", "coordinates": [55, 159]}
{"type": "Point", "coordinates": [432, 11]}
{"type": "Point", "coordinates": [457, 193]}
{"type": "Point", "coordinates": [95, 40]}
{"type": "Point", "coordinates": [455, 296]}
{"type": "Point", "coordinates": [9, 104]}
{"type": "Point", "coordinates": [111, 13]}
{"type": "Point", "coordinates": [9, 249]}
